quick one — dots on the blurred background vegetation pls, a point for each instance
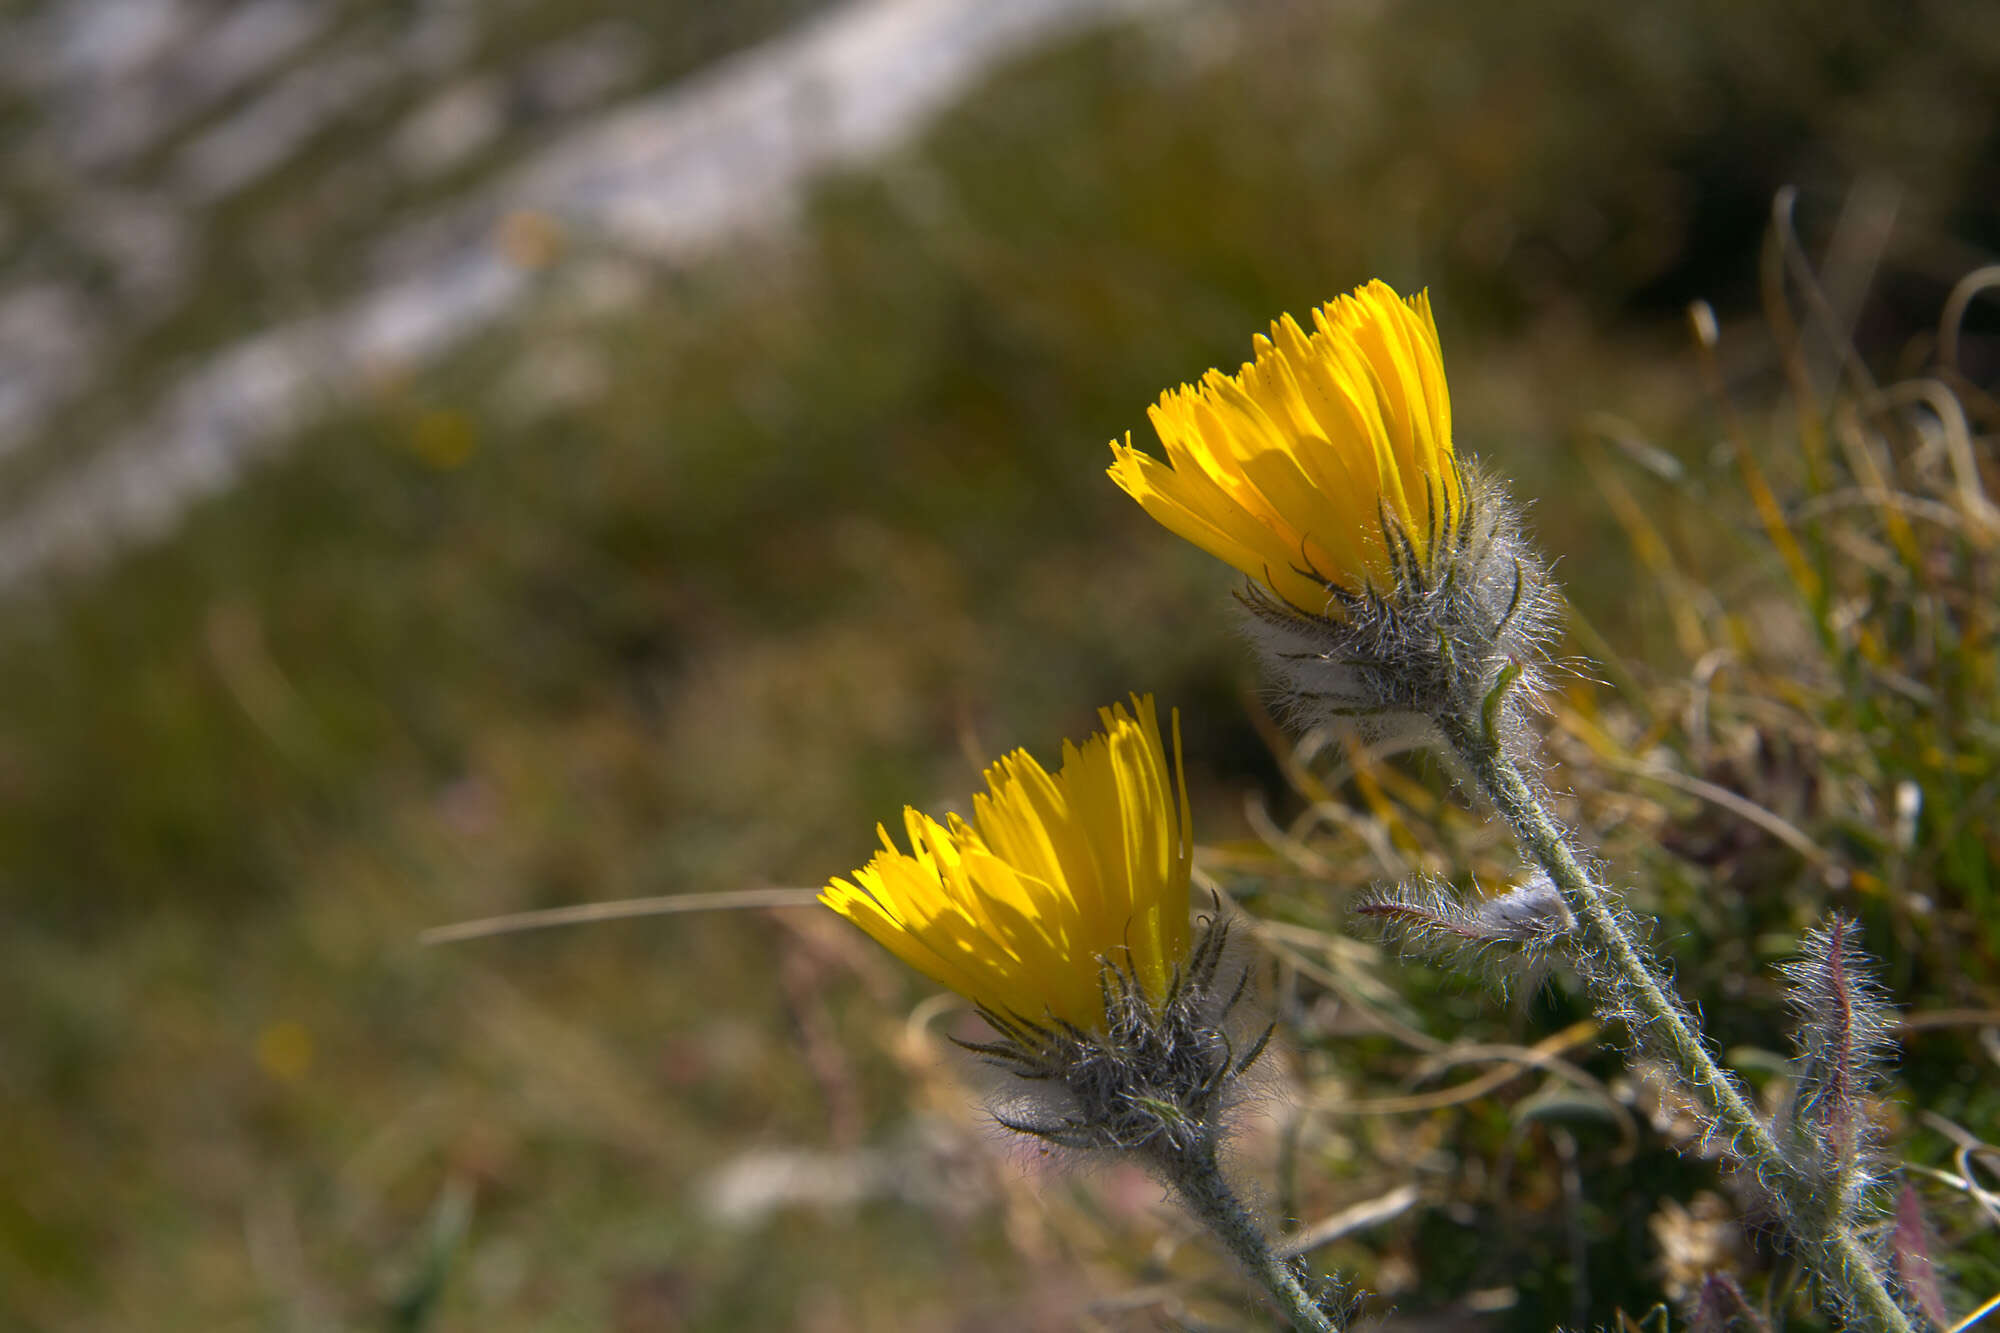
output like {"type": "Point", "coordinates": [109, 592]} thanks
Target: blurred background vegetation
{"type": "Point", "coordinates": [689, 570]}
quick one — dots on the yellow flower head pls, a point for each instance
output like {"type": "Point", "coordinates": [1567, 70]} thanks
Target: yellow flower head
{"type": "Point", "coordinates": [1057, 874]}
{"type": "Point", "coordinates": [1293, 469]}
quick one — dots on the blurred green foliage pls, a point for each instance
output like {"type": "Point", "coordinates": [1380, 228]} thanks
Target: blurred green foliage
{"type": "Point", "coordinates": [828, 531]}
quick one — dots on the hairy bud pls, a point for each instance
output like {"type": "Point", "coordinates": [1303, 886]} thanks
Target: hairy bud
{"type": "Point", "coordinates": [1460, 631]}
{"type": "Point", "coordinates": [1721, 1307]}
{"type": "Point", "coordinates": [1159, 1078]}
{"type": "Point", "coordinates": [1843, 1040]}
{"type": "Point", "coordinates": [1910, 1250]}
{"type": "Point", "coordinates": [1506, 937]}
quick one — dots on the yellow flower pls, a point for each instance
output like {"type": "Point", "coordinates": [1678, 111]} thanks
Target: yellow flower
{"type": "Point", "coordinates": [1057, 874]}
{"type": "Point", "coordinates": [1289, 469]}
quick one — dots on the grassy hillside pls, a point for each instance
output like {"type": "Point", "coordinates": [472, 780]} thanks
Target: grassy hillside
{"type": "Point", "coordinates": [684, 591]}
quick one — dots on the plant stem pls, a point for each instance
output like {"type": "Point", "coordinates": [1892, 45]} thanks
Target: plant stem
{"type": "Point", "coordinates": [1843, 1262]}
{"type": "Point", "coordinates": [1196, 1177]}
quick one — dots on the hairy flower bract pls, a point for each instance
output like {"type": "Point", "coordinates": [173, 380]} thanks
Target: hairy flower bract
{"type": "Point", "coordinates": [1314, 466]}
{"type": "Point", "coordinates": [1056, 877]}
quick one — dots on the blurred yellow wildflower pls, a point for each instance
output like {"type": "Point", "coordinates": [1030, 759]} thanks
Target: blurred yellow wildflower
{"type": "Point", "coordinates": [285, 1050]}
{"type": "Point", "coordinates": [1295, 469]}
{"type": "Point", "coordinates": [1058, 875]}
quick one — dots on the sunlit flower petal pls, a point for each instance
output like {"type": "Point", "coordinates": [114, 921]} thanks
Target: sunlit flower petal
{"type": "Point", "coordinates": [1319, 461]}
{"type": "Point", "coordinates": [1057, 875]}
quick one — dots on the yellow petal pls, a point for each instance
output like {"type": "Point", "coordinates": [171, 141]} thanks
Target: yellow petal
{"type": "Point", "coordinates": [1290, 469]}
{"type": "Point", "coordinates": [1059, 874]}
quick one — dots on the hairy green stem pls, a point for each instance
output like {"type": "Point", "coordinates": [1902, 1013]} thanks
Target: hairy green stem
{"type": "Point", "coordinates": [1197, 1180]}
{"type": "Point", "coordinates": [1843, 1261]}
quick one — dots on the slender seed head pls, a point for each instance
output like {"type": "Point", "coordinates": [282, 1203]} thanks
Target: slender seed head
{"type": "Point", "coordinates": [1844, 1038]}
